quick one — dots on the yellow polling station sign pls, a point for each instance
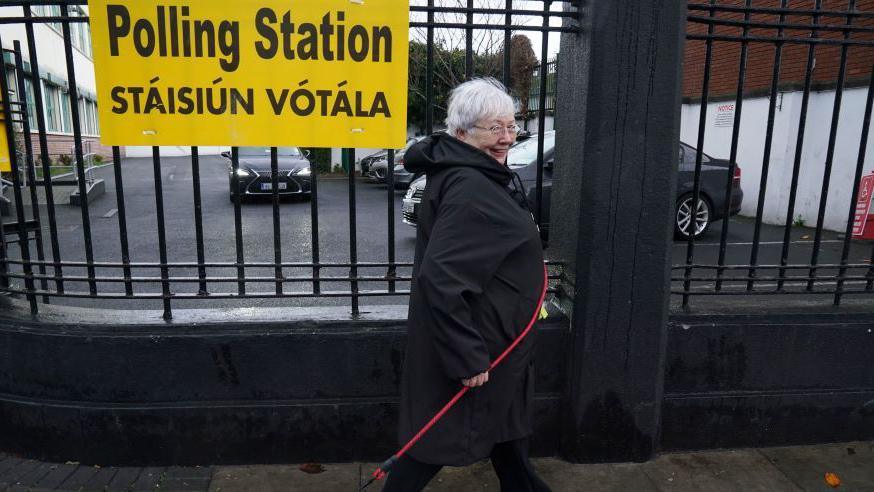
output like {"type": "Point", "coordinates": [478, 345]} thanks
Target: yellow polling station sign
{"type": "Point", "coordinates": [5, 163]}
{"type": "Point", "coordinates": [320, 73]}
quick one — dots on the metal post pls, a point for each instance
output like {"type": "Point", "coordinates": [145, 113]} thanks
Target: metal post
{"type": "Point", "coordinates": [613, 185]}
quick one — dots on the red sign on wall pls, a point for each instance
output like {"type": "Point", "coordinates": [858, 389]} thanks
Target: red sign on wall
{"type": "Point", "coordinates": [863, 204]}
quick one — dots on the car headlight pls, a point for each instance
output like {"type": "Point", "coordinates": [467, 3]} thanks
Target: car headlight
{"type": "Point", "coordinates": [242, 172]}
{"type": "Point", "coordinates": [304, 171]}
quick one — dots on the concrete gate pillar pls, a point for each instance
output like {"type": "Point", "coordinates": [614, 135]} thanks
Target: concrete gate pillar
{"type": "Point", "coordinates": [613, 199]}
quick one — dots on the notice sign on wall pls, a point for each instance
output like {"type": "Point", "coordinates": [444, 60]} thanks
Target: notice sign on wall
{"type": "Point", "coordinates": [320, 73]}
{"type": "Point", "coordinates": [725, 115]}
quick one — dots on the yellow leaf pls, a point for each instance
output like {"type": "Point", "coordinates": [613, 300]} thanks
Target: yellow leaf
{"type": "Point", "coordinates": [832, 479]}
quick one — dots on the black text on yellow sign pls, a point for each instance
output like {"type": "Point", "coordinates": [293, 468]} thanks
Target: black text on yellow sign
{"type": "Point", "coordinates": [321, 73]}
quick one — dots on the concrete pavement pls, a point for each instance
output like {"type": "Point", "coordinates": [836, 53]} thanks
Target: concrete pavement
{"type": "Point", "coordinates": [769, 469]}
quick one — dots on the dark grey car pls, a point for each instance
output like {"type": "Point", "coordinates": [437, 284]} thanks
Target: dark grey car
{"type": "Point", "coordinates": [378, 169]}
{"type": "Point", "coordinates": [255, 175]}
{"type": "Point", "coordinates": [522, 159]}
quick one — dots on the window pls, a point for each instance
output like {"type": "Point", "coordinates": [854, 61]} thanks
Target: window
{"type": "Point", "coordinates": [31, 104]}
{"type": "Point", "coordinates": [48, 11]}
{"type": "Point", "coordinates": [80, 31]}
{"type": "Point", "coordinates": [88, 116]}
{"type": "Point", "coordinates": [57, 109]}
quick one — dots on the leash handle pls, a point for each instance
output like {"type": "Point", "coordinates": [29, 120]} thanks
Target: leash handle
{"type": "Point", "coordinates": [386, 466]}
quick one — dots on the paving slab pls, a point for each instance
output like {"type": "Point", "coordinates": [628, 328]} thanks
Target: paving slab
{"type": "Point", "coordinates": [562, 476]}
{"type": "Point", "coordinates": [717, 471]}
{"type": "Point", "coordinates": [806, 466]}
{"type": "Point", "coordinates": [149, 478]}
{"type": "Point", "coordinates": [125, 477]}
{"type": "Point", "coordinates": [56, 477]}
{"type": "Point", "coordinates": [270, 478]}
{"type": "Point", "coordinates": [30, 478]}
{"type": "Point", "coordinates": [100, 480]}
{"type": "Point", "coordinates": [78, 478]}
{"type": "Point", "coordinates": [15, 472]}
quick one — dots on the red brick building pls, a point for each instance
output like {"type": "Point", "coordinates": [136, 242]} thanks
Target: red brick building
{"type": "Point", "coordinates": [761, 55]}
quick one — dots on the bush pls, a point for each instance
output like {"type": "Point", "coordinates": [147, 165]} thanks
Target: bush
{"type": "Point", "coordinates": [65, 160]}
{"type": "Point", "coordinates": [98, 159]}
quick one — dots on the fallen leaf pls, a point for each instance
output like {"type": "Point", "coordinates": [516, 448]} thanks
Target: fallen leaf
{"type": "Point", "coordinates": [806, 236]}
{"type": "Point", "coordinates": [832, 480]}
{"type": "Point", "coordinates": [72, 463]}
{"type": "Point", "coordinates": [312, 468]}
{"type": "Point", "coordinates": [96, 466]}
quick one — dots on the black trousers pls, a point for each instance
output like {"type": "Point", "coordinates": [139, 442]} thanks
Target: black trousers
{"type": "Point", "coordinates": [509, 459]}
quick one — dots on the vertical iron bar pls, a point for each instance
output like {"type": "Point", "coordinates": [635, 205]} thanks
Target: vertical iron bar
{"type": "Point", "coordinates": [23, 243]}
{"type": "Point", "coordinates": [766, 158]}
{"type": "Point", "coordinates": [468, 42]}
{"type": "Point", "coordinates": [830, 153]}
{"type": "Point", "coordinates": [353, 238]}
{"type": "Point", "coordinates": [799, 145]}
{"type": "Point", "coordinates": [390, 178]}
{"type": "Point", "coordinates": [314, 224]}
{"type": "Point", "coordinates": [860, 164]}
{"type": "Point", "coordinates": [44, 151]}
{"type": "Point", "coordinates": [31, 174]}
{"type": "Point", "coordinates": [696, 185]}
{"type": "Point", "coordinates": [122, 220]}
{"type": "Point", "coordinates": [4, 278]}
{"type": "Point", "coordinates": [198, 221]}
{"type": "Point", "coordinates": [277, 234]}
{"type": "Point", "coordinates": [162, 233]}
{"type": "Point", "coordinates": [429, 73]}
{"type": "Point", "coordinates": [541, 111]}
{"type": "Point", "coordinates": [77, 145]}
{"type": "Point", "coordinates": [238, 220]}
{"type": "Point", "coordinates": [732, 160]}
{"type": "Point", "coordinates": [508, 23]}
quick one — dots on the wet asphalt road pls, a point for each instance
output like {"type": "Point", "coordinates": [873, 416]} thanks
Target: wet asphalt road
{"type": "Point", "coordinates": [296, 238]}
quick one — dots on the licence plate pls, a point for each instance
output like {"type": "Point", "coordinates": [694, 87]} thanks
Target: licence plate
{"type": "Point", "coordinates": [269, 186]}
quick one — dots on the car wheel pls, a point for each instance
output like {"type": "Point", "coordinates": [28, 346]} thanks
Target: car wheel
{"type": "Point", "coordinates": [683, 220]}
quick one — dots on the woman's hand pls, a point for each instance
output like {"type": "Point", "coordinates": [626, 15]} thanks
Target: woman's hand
{"type": "Point", "coordinates": [478, 380]}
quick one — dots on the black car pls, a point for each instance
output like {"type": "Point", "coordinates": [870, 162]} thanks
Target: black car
{"type": "Point", "coordinates": [255, 178]}
{"type": "Point", "coordinates": [522, 159]}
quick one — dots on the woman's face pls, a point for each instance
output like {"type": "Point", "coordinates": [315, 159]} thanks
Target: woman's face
{"type": "Point", "coordinates": [493, 144]}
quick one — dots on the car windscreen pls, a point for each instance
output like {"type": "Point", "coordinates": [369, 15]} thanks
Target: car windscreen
{"type": "Point", "coordinates": [525, 152]}
{"type": "Point", "coordinates": [265, 151]}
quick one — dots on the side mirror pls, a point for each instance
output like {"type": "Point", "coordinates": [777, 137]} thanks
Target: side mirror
{"type": "Point", "coordinates": [306, 153]}
{"type": "Point", "coordinates": [226, 154]}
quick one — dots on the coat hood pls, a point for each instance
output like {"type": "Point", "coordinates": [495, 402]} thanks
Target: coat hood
{"type": "Point", "coordinates": [441, 151]}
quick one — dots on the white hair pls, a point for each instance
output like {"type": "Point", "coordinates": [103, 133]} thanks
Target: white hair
{"type": "Point", "coordinates": [476, 99]}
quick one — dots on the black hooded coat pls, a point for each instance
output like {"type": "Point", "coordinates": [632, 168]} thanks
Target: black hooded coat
{"type": "Point", "coordinates": [477, 279]}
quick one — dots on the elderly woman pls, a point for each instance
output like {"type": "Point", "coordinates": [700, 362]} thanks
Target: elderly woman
{"type": "Point", "coordinates": [477, 279]}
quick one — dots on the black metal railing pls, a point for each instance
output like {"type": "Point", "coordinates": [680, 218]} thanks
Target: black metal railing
{"type": "Point", "coordinates": [800, 266]}
{"type": "Point", "coordinates": [102, 277]}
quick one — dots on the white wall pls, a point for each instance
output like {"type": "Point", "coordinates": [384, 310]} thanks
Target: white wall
{"type": "Point", "coordinates": [754, 119]}
{"type": "Point", "coordinates": [50, 49]}
{"type": "Point", "coordinates": [172, 151]}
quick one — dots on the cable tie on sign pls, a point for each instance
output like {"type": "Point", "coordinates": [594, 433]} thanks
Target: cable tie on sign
{"type": "Point", "coordinates": [149, 132]}
{"type": "Point", "coordinates": [357, 130]}
{"type": "Point", "coordinates": [357, 2]}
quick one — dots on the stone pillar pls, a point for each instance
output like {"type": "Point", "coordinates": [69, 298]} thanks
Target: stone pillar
{"type": "Point", "coordinates": [613, 198]}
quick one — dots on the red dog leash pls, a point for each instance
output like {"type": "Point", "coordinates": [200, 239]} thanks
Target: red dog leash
{"type": "Point", "coordinates": [387, 465]}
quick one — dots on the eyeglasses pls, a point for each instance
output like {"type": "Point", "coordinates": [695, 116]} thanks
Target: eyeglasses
{"type": "Point", "coordinates": [498, 129]}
